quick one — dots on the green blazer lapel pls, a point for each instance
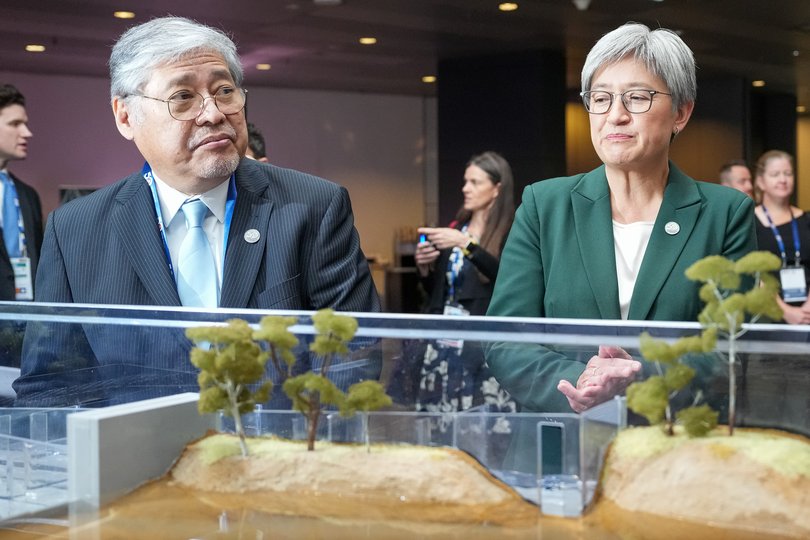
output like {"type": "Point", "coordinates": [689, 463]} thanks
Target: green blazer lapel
{"type": "Point", "coordinates": [681, 206]}
{"type": "Point", "coordinates": [590, 200]}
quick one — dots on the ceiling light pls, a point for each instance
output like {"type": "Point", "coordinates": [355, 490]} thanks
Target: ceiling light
{"type": "Point", "coordinates": [759, 83]}
{"type": "Point", "coordinates": [35, 47]}
{"type": "Point", "coordinates": [582, 5]}
{"type": "Point", "coordinates": [796, 52]}
{"type": "Point", "coordinates": [801, 109]}
{"type": "Point", "coordinates": [124, 15]}
{"type": "Point", "coordinates": [508, 6]}
{"type": "Point", "coordinates": [263, 67]}
{"type": "Point", "coordinates": [429, 79]}
{"type": "Point", "coordinates": [368, 40]}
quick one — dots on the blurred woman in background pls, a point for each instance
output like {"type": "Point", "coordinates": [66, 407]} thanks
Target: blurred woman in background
{"type": "Point", "coordinates": [784, 230]}
{"type": "Point", "coordinates": [457, 266]}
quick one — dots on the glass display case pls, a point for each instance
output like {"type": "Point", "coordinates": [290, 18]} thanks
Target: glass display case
{"type": "Point", "coordinates": [75, 357]}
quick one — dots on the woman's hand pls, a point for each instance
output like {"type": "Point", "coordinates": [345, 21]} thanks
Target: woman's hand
{"type": "Point", "coordinates": [425, 256]}
{"type": "Point", "coordinates": [445, 237]}
{"type": "Point", "coordinates": [796, 314]}
{"type": "Point", "coordinates": [606, 375]}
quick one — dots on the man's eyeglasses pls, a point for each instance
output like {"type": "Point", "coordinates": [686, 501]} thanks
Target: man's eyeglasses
{"type": "Point", "coordinates": [636, 101]}
{"type": "Point", "coordinates": [185, 105]}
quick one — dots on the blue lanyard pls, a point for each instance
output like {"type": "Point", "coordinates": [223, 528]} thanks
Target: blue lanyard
{"type": "Point", "coordinates": [454, 264]}
{"type": "Point", "coordinates": [230, 202]}
{"type": "Point", "coordinates": [780, 243]}
{"type": "Point", "coordinates": [23, 244]}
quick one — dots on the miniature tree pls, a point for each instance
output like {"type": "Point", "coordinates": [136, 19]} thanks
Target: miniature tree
{"type": "Point", "coordinates": [723, 316]}
{"type": "Point", "coordinates": [229, 362]}
{"type": "Point", "coordinates": [365, 396]}
{"type": "Point", "coordinates": [275, 331]}
{"type": "Point", "coordinates": [652, 397]}
{"type": "Point", "coordinates": [310, 391]}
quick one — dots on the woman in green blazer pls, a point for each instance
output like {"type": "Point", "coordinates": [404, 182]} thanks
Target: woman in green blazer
{"type": "Point", "coordinates": [614, 243]}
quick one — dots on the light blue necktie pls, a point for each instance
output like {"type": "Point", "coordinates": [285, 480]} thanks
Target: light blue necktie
{"type": "Point", "coordinates": [196, 270]}
{"type": "Point", "coordinates": [11, 216]}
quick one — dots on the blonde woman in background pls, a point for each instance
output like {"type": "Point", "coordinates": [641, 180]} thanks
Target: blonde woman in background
{"type": "Point", "coordinates": [784, 230]}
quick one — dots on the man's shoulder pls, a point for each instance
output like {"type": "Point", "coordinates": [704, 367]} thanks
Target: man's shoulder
{"type": "Point", "coordinates": [20, 185]}
{"type": "Point", "coordinates": [283, 184]}
{"type": "Point", "coordinates": [101, 200]}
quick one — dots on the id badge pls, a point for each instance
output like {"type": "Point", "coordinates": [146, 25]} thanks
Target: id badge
{"type": "Point", "coordinates": [23, 281]}
{"type": "Point", "coordinates": [453, 310]}
{"type": "Point", "coordinates": [794, 285]}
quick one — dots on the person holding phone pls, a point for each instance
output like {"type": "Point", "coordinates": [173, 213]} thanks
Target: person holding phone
{"type": "Point", "coordinates": [457, 266]}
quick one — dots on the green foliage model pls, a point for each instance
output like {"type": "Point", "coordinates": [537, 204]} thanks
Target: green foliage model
{"type": "Point", "coordinates": [726, 309]}
{"type": "Point", "coordinates": [365, 396]}
{"type": "Point", "coordinates": [232, 364]}
{"type": "Point", "coordinates": [310, 391]}
{"type": "Point", "coordinates": [229, 362]}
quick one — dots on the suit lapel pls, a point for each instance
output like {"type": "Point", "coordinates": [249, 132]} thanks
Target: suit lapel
{"type": "Point", "coordinates": [27, 213]}
{"type": "Point", "coordinates": [681, 206]}
{"type": "Point", "coordinates": [135, 222]}
{"type": "Point", "coordinates": [243, 259]}
{"type": "Point", "coordinates": [590, 200]}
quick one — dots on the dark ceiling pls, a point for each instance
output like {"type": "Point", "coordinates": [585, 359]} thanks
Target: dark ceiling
{"type": "Point", "coordinates": [312, 45]}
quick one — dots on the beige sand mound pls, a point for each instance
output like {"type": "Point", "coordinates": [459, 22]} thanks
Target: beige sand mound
{"type": "Point", "coordinates": [756, 480]}
{"type": "Point", "coordinates": [390, 481]}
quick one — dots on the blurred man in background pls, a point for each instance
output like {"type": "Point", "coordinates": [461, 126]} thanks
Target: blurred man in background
{"type": "Point", "coordinates": [20, 210]}
{"type": "Point", "coordinates": [736, 174]}
{"type": "Point", "coordinates": [256, 149]}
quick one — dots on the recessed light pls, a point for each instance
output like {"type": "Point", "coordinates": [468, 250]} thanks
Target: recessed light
{"type": "Point", "coordinates": [801, 109]}
{"type": "Point", "coordinates": [124, 15]}
{"type": "Point", "coordinates": [796, 52]}
{"type": "Point", "coordinates": [263, 67]}
{"type": "Point", "coordinates": [35, 47]}
{"type": "Point", "coordinates": [759, 83]}
{"type": "Point", "coordinates": [508, 6]}
{"type": "Point", "coordinates": [368, 40]}
{"type": "Point", "coordinates": [429, 79]}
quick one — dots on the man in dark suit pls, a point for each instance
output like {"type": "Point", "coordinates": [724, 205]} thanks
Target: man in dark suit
{"type": "Point", "coordinates": [23, 239]}
{"type": "Point", "coordinates": [21, 220]}
{"type": "Point", "coordinates": [264, 237]}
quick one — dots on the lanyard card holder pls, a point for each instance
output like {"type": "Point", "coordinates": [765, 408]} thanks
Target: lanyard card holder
{"type": "Point", "coordinates": [23, 280]}
{"type": "Point", "coordinates": [794, 284]}
{"type": "Point", "coordinates": [453, 310]}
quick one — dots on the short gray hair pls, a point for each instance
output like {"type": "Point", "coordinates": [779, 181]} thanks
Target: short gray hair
{"type": "Point", "coordinates": [161, 41]}
{"type": "Point", "coordinates": [662, 52]}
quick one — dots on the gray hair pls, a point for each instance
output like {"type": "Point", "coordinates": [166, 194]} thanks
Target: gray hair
{"type": "Point", "coordinates": [662, 52]}
{"type": "Point", "coordinates": [161, 41]}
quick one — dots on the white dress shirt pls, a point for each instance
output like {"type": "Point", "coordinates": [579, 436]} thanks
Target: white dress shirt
{"type": "Point", "coordinates": [175, 224]}
{"type": "Point", "coordinates": [630, 242]}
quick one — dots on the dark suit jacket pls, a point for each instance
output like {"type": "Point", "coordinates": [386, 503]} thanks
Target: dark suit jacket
{"type": "Point", "coordinates": [559, 261]}
{"type": "Point", "coordinates": [105, 248]}
{"type": "Point", "coordinates": [31, 210]}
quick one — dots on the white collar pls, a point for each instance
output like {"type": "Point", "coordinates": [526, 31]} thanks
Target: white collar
{"type": "Point", "coordinates": [171, 200]}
